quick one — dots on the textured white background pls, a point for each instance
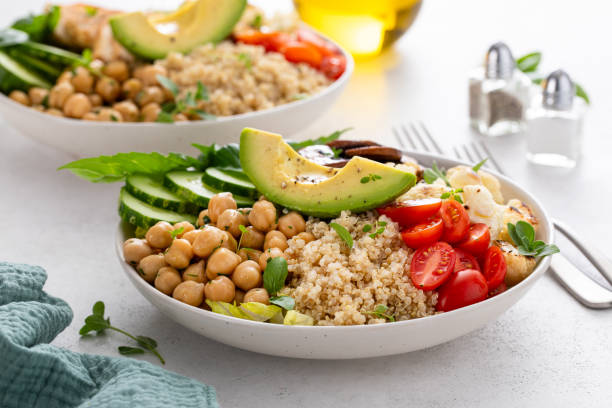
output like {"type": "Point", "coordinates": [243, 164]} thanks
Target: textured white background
{"type": "Point", "coordinates": [546, 351]}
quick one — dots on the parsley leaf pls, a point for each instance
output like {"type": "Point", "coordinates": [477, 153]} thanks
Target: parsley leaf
{"type": "Point", "coordinates": [380, 311]}
{"type": "Point", "coordinates": [343, 233]}
{"type": "Point", "coordinates": [320, 140]}
{"type": "Point", "coordinates": [367, 228]}
{"type": "Point", "coordinates": [479, 165]}
{"type": "Point", "coordinates": [523, 236]}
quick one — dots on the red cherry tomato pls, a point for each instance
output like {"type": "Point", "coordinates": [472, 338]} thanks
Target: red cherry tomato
{"type": "Point", "coordinates": [423, 234]}
{"type": "Point", "coordinates": [296, 51]}
{"type": "Point", "coordinates": [432, 265]}
{"type": "Point", "coordinates": [494, 269]}
{"type": "Point", "coordinates": [456, 221]}
{"type": "Point", "coordinates": [325, 47]}
{"type": "Point", "coordinates": [477, 240]}
{"type": "Point", "coordinates": [272, 41]}
{"type": "Point", "coordinates": [333, 66]}
{"type": "Point", "coordinates": [464, 261]}
{"type": "Point", "coordinates": [500, 289]}
{"type": "Point", "coordinates": [411, 212]}
{"type": "Point", "coordinates": [463, 288]}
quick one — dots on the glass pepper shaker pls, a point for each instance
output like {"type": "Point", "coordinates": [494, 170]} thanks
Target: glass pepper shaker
{"type": "Point", "coordinates": [554, 123]}
{"type": "Point", "coordinates": [498, 93]}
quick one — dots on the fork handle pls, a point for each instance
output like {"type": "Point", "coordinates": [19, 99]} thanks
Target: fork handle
{"type": "Point", "coordinates": [599, 261]}
{"type": "Point", "coordinates": [580, 286]}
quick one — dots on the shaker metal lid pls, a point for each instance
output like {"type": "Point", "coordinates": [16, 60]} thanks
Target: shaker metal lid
{"type": "Point", "coordinates": [558, 91]}
{"type": "Point", "coordinates": [499, 62]}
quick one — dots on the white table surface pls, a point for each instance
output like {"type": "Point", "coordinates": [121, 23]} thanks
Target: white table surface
{"type": "Point", "coordinates": [546, 351]}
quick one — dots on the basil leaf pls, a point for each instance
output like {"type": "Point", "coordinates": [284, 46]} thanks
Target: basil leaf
{"type": "Point", "coordinates": [98, 309]}
{"type": "Point", "coordinates": [525, 251]}
{"type": "Point", "coordinates": [529, 62]}
{"type": "Point", "coordinates": [429, 176]}
{"type": "Point", "coordinates": [146, 341]}
{"type": "Point", "coordinates": [320, 140]}
{"type": "Point", "coordinates": [85, 329]}
{"type": "Point", "coordinates": [526, 233]}
{"type": "Point", "coordinates": [97, 323]}
{"type": "Point", "coordinates": [275, 274]}
{"type": "Point", "coordinates": [548, 250]}
{"type": "Point", "coordinates": [168, 84]}
{"type": "Point", "coordinates": [8, 37]}
{"type": "Point", "coordinates": [581, 93]}
{"type": "Point", "coordinates": [126, 351]}
{"type": "Point", "coordinates": [513, 235]}
{"type": "Point", "coordinates": [286, 302]}
{"type": "Point", "coordinates": [343, 233]}
{"type": "Point", "coordinates": [479, 165]}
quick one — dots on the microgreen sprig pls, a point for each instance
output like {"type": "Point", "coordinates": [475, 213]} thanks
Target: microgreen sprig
{"type": "Point", "coordinates": [380, 311]}
{"type": "Point", "coordinates": [434, 173]}
{"type": "Point", "coordinates": [187, 105]}
{"type": "Point", "coordinates": [369, 177]}
{"type": "Point", "coordinates": [343, 233]}
{"type": "Point", "coordinates": [523, 236]}
{"type": "Point", "coordinates": [480, 164]}
{"type": "Point", "coordinates": [454, 194]}
{"type": "Point", "coordinates": [243, 230]}
{"type": "Point", "coordinates": [175, 233]}
{"type": "Point", "coordinates": [96, 322]}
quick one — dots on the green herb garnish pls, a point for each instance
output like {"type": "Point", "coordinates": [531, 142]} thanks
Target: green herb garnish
{"type": "Point", "coordinates": [286, 302]}
{"type": "Point", "coordinates": [319, 141]}
{"type": "Point", "coordinates": [201, 92]}
{"type": "Point", "coordinates": [523, 236]}
{"type": "Point", "coordinates": [96, 322]}
{"type": "Point", "coordinates": [257, 22]}
{"type": "Point", "coordinates": [480, 164]}
{"type": "Point", "coordinates": [275, 274]}
{"type": "Point", "coordinates": [529, 63]}
{"type": "Point", "coordinates": [343, 233]}
{"type": "Point", "coordinates": [431, 175]}
{"type": "Point", "coordinates": [246, 60]}
{"type": "Point", "coordinates": [380, 311]}
{"type": "Point", "coordinates": [91, 11]}
{"type": "Point", "coordinates": [243, 230]}
{"type": "Point", "coordinates": [367, 228]}
{"type": "Point", "coordinates": [9, 36]}
{"type": "Point", "coordinates": [453, 193]}
{"type": "Point", "coordinates": [370, 177]}
{"type": "Point", "coordinates": [168, 84]}
{"type": "Point", "coordinates": [175, 233]}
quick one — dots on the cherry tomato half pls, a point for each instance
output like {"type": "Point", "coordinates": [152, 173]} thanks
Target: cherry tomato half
{"type": "Point", "coordinates": [296, 51]}
{"type": "Point", "coordinates": [272, 41]}
{"type": "Point", "coordinates": [463, 288]}
{"type": "Point", "coordinates": [425, 233]}
{"type": "Point", "coordinates": [464, 261]}
{"type": "Point", "coordinates": [411, 212]}
{"type": "Point", "coordinates": [333, 66]}
{"type": "Point", "coordinates": [494, 267]}
{"type": "Point", "coordinates": [325, 47]}
{"type": "Point", "coordinates": [456, 221]}
{"type": "Point", "coordinates": [477, 240]}
{"type": "Point", "coordinates": [432, 265]}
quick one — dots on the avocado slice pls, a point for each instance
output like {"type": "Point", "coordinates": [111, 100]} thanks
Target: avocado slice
{"type": "Point", "coordinates": [288, 179]}
{"type": "Point", "coordinates": [206, 21]}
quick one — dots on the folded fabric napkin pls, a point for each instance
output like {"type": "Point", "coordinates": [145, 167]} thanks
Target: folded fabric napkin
{"type": "Point", "coordinates": [35, 374]}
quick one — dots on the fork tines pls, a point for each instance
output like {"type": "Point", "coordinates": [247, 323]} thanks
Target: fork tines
{"type": "Point", "coordinates": [415, 136]}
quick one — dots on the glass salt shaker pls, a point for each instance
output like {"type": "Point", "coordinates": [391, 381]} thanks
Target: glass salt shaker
{"type": "Point", "coordinates": [554, 123]}
{"type": "Point", "coordinates": [498, 93]}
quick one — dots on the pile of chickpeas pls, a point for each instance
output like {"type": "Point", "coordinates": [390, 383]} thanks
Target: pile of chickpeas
{"type": "Point", "coordinates": [205, 262]}
{"type": "Point", "coordinates": [119, 93]}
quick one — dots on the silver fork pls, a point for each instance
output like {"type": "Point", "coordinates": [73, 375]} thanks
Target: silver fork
{"type": "Point", "coordinates": [415, 136]}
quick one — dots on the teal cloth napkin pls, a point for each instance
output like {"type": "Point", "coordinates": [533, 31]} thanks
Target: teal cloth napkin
{"type": "Point", "coordinates": [35, 374]}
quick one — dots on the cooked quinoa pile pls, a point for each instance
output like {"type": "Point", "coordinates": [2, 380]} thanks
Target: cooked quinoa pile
{"type": "Point", "coordinates": [242, 78]}
{"type": "Point", "coordinates": [338, 287]}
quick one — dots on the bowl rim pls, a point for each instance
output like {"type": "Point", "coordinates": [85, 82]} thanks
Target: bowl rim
{"type": "Point", "coordinates": [541, 267]}
{"type": "Point", "coordinates": [338, 83]}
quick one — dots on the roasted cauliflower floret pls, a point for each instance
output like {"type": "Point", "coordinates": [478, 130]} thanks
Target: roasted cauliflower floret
{"type": "Point", "coordinates": [515, 211]}
{"type": "Point", "coordinates": [518, 266]}
{"type": "Point", "coordinates": [492, 184]}
{"type": "Point", "coordinates": [481, 207]}
{"type": "Point", "coordinates": [424, 190]}
{"type": "Point", "coordinates": [461, 176]}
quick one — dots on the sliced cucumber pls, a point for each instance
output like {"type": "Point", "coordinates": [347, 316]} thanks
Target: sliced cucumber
{"type": "Point", "coordinates": [228, 180]}
{"type": "Point", "coordinates": [44, 68]}
{"type": "Point", "coordinates": [13, 76]}
{"type": "Point", "coordinates": [141, 214]}
{"type": "Point", "coordinates": [153, 192]}
{"type": "Point", "coordinates": [189, 186]}
{"type": "Point", "coordinates": [48, 53]}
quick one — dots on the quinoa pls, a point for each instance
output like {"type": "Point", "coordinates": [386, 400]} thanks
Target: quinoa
{"type": "Point", "coordinates": [338, 286]}
{"type": "Point", "coordinates": [242, 78]}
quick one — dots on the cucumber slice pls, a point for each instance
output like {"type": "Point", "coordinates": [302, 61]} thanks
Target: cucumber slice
{"type": "Point", "coordinates": [228, 180]}
{"type": "Point", "coordinates": [48, 53]}
{"type": "Point", "coordinates": [153, 192]}
{"type": "Point", "coordinates": [13, 76]}
{"type": "Point", "coordinates": [44, 68]}
{"type": "Point", "coordinates": [141, 214]}
{"type": "Point", "coordinates": [189, 186]}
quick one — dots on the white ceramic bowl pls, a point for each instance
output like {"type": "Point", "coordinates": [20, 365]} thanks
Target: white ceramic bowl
{"type": "Point", "coordinates": [85, 138]}
{"type": "Point", "coordinates": [347, 342]}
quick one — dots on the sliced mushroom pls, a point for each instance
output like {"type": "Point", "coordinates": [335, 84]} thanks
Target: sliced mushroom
{"type": "Point", "coordinates": [378, 153]}
{"type": "Point", "coordinates": [349, 144]}
{"type": "Point", "coordinates": [323, 155]}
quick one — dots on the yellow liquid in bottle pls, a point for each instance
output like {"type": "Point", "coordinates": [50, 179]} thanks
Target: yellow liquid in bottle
{"type": "Point", "coordinates": [364, 27]}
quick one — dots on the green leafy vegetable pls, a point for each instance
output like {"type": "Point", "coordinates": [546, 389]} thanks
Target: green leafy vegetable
{"type": "Point", "coordinates": [187, 105]}
{"type": "Point", "coordinates": [370, 177]}
{"type": "Point", "coordinates": [242, 229]}
{"type": "Point", "coordinates": [343, 233]}
{"type": "Point", "coordinates": [380, 311]}
{"type": "Point", "coordinates": [431, 175]}
{"type": "Point", "coordinates": [168, 84]}
{"type": "Point", "coordinates": [523, 236]}
{"type": "Point", "coordinates": [529, 63]}
{"type": "Point", "coordinates": [453, 193]}
{"type": "Point", "coordinates": [38, 27]}
{"type": "Point", "coordinates": [286, 302]}
{"type": "Point", "coordinates": [275, 274]}
{"type": "Point", "coordinates": [127, 351]}
{"type": "Point", "coordinates": [480, 164]}
{"type": "Point", "coordinates": [175, 233]}
{"type": "Point", "coordinates": [581, 93]}
{"type": "Point", "coordinates": [320, 140]}
{"type": "Point", "coordinates": [257, 22]}
{"type": "Point", "coordinates": [201, 92]}
{"type": "Point", "coordinates": [9, 36]}
{"type": "Point", "coordinates": [367, 228]}
{"type": "Point", "coordinates": [91, 11]}
{"type": "Point", "coordinates": [246, 60]}
{"type": "Point", "coordinates": [164, 117]}
{"type": "Point", "coordinates": [96, 322]}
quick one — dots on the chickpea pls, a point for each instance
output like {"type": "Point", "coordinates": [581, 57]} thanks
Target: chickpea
{"type": "Point", "coordinates": [189, 292]}
{"type": "Point", "coordinates": [135, 249]}
{"type": "Point", "coordinates": [207, 240]}
{"type": "Point", "coordinates": [305, 236]}
{"type": "Point", "coordinates": [248, 254]}
{"type": "Point", "coordinates": [263, 216]}
{"type": "Point", "coordinates": [150, 112]}
{"type": "Point", "coordinates": [247, 275]}
{"type": "Point", "coordinates": [291, 224]}
{"type": "Point", "coordinates": [219, 203]}
{"type": "Point", "coordinates": [20, 97]}
{"type": "Point", "coordinates": [257, 295]}
{"type": "Point", "coordinates": [180, 253]}
{"type": "Point", "coordinates": [229, 242]}
{"type": "Point", "coordinates": [55, 112]}
{"type": "Point", "coordinates": [203, 218]}
{"type": "Point", "coordinates": [221, 262]}
{"type": "Point", "coordinates": [239, 297]}
{"type": "Point", "coordinates": [275, 239]}
{"type": "Point", "coordinates": [158, 236]}
{"type": "Point", "coordinates": [191, 236]}
{"type": "Point", "coordinates": [90, 116]}
{"type": "Point", "coordinates": [230, 221]}
{"type": "Point", "coordinates": [131, 87]}
{"type": "Point", "coordinates": [180, 117]}
{"type": "Point", "coordinates": [148, 74]}
{"type": "Point", "coordinates": [77, 105]}
{"type": "Point", "coordinates": [220, 289]}
{"type": "Point", "coordinates": [59, 94]}
{"type": "Point", "coordinates": [38, 95]}
{"type": "Point", "coordinates": [148, 95]}
{"type": "Point", "coordinates": [128, 110]}
{"type": "Point", "coordinates": [82, 81]}
{"type": "Point", "coordinates": [252, 238]}
{"type": "Point", "coordinates": [109, 115]}
{"type": "Point", "coordinates": [195, 272]}
{"type": "Point", "coordinates": [66, 76]}
{"type": "Point", "coordinates": [95, 99]}
{"type": "Point", "coordinates": [150, 265]}
{"type": "Point", "coordinates": [117, 70]}
{"type": "Point", "coordinates": [269, 254]}
{"type": "Point", "coordinates": [108, 89]}
{"type": "Point", "coordinates": [185, 225]}
{"type": "Point", "coordinates": [167, 280]}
